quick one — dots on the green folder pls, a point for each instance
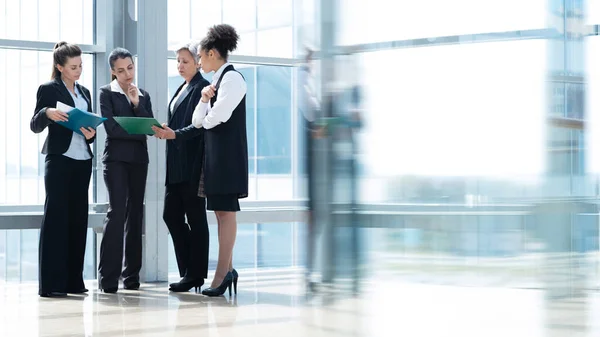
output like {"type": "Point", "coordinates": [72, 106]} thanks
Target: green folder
{"type": "Point", "coordinates": [138, 125]}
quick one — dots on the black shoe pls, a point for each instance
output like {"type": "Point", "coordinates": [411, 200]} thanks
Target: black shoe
{"type": "Point", "coordinates": [132, 286]}
{"type": "Point", "coordinates": [77, 291]}
{"type": "Point", "coordinates": [112, 290]}
{"type": "Point", "coordinates": [53, 294]}
{"type": "Point", "coordinates": [186, 284]}
{"type": "Point", "coordinates": [235, 279]}
{"type": "Point", "coordinates": [220, 290]}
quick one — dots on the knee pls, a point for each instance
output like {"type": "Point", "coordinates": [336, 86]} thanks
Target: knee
{"type": "Point", "coordinates": [225, 216]}
{"type": "Point", "coordinates": [117, 215]}
{"type": "Point", "coordinates": [168, 219]}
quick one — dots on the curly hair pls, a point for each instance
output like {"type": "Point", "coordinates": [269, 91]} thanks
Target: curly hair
{"type": "Point", "coordinates": [221, 37]}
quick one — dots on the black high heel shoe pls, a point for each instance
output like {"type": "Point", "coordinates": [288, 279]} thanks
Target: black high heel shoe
{"type": "Point", "coordinates": [186, 284]}
{"type": "Point", "coordinates": [220, 290]}
{"type": "Point", "coordinates": [235, 279]}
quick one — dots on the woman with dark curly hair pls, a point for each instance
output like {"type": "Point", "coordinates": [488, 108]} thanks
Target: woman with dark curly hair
{"type": "Point", "coordinates": [224, 178]}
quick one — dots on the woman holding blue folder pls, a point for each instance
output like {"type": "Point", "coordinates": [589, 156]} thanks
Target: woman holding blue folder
{"type": "Point", "coordinates": [125, 162]}
{"type": "Point", "coordinates": [66, 177]}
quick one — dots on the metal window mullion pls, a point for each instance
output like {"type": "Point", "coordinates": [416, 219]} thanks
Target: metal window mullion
{"type": "Point", "coordinates": [256, 130]}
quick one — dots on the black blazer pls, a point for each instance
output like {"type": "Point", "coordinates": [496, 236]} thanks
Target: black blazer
{"type": "Point", "coordinates": [59, 137]}
{"type": "Point", "coordinates": [119, 145]}
{"type": "Point", "coordinates": [185, 153]}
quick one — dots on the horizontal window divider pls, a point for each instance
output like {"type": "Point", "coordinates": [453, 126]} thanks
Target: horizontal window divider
{"type": "Point", "coordinates": [46, 46]}
{"type": "Point", "coordinates": [257, 60]}
{"type": "Point", "coordinates": [529, 34]}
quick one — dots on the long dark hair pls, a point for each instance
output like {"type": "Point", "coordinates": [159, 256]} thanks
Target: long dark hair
{"type": "Point", "coordinates": [118, 53]}
{"type": "Point", "coordinates": [221, 37]}
{"type": "Point", "coordinates": [63, 51]}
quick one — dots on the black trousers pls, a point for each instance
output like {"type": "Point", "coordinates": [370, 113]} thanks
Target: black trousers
{"type": "Point", "coordinates": [64, 226]}
{"type": "Point", "coordinates": [126, 185]}
{"type": "Point", "coordinates": [190, 239]}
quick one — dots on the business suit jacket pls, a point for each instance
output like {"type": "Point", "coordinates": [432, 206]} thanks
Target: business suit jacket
{"type": "Point", "coordinates": [119, 145]}
{"type": "Point", "coordinates": [59, 137]}
{"type": "Point", "coordinates": [185, 153]}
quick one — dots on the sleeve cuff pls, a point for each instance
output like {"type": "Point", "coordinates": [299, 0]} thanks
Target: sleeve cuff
{"type": "Point", "coordinates": [199, 114]}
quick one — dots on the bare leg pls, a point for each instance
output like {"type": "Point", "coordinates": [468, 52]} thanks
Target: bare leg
{"type": "Point", "coordinates": [227, 233]}
{"type": "Point", "coordinates": [219, 236]}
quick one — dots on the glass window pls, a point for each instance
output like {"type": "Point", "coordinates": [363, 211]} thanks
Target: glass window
{"type": "Point", "coordinates": [593, 12]}
{"type": "Point", "coordinates": [275, 42]}
{"type": "Point", "coordinates": [241, 14]}
{"type": "Point", "coordinates": [48, 20]}
{"type": "Point", "coordinates": [19, 256]}
{"type": "Point", "coordinates": [274, 13]}
{"type": "Point", "coordinates": [274, 98]}
{"type": "Point", "coordinates": [450, 109]}
{"type": "Point", "coordinates": [275, 245]}
{"type": "Point", "coordinates": [205, 13]}
{"type": "Point", "coordinates": [179, 22]}
{"type": "Point", "coordinates": [21, 163]}
{"type": "Point", "coordinates": [246, 44]}
{"type": "Point", "coordinates": [407, 19]}
{"type": "Point", "coordinates": [592, 102]}
{"type": "Point", "coordinates": [244, 254]}
{"type": "Point", "coordinates": [272, 37]}
{"type": "Point", "coordinates": [270, 245]}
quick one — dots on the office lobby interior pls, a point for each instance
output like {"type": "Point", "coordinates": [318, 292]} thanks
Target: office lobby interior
{"type": "Point", "coordinates": [415, 168]}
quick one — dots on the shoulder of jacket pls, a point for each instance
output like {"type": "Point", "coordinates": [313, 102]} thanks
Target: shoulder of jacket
{"type": "Point", "coordinates": [105, 88]}
{"type": "Point", "coordinates": [48, 85]}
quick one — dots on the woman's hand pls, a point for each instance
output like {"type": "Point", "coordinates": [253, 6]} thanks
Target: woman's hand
{"type": "Point", "coordinates": [56, 115]}
{"type": "Point", "coordinates": [165, 133]}
{"type": "Point", "coordinates": [132, 93]}
{"type": "Point", "coordinates": [208, 92]}
{"type": "Point", "coordinates": [89, 133]}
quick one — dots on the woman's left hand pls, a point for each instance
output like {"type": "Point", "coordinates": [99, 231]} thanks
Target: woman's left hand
{"type": "Point", "coordinates": [88, 133]}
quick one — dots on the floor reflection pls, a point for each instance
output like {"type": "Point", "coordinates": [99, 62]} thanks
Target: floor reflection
{"type": "Point", "coordinates": [390, 306]}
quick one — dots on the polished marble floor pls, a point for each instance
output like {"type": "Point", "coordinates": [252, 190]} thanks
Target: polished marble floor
{"type": "Point", "coordinates": [276, 304]}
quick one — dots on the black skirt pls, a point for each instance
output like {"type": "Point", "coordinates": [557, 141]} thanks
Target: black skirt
{"type": "Point", "coordinates": [223, 202]}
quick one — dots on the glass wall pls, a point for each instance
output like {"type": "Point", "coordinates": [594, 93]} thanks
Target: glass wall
{"type": "Point", "coordinates": [406, 19]}
{"type": "Point", "coordinates": [479, 150]}
{"type": "Point", "coordinates": [23, 70]}
{"type": "Point", "coordinates": [272, 245]}
{"type": "Point", "coordinates": [21, 161]}
{"type": "Point", "coordinates": [265, 26]}
{"type": "Point", "coordinates": [47, 20]}
{"type": "Point", "coordinates": [19, 256]}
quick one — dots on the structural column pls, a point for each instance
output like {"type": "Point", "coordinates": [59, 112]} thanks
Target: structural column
{"type": "Point", "coordinates": [152, 52]}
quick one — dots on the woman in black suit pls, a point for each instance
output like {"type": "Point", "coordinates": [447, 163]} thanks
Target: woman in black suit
{"type": "Point", "coordinates": [125, 162]}
{"type": "Point", "coordinates": [185, 151]}
{"type": "Point", "coordinates": [66, 177]}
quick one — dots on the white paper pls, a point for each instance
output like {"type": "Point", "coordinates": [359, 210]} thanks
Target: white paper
{"type": "Point", "coordinates": [63, 107]}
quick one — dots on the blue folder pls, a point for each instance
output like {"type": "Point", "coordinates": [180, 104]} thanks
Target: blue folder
{"type": "Point", "coordinates": [79, 118]}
